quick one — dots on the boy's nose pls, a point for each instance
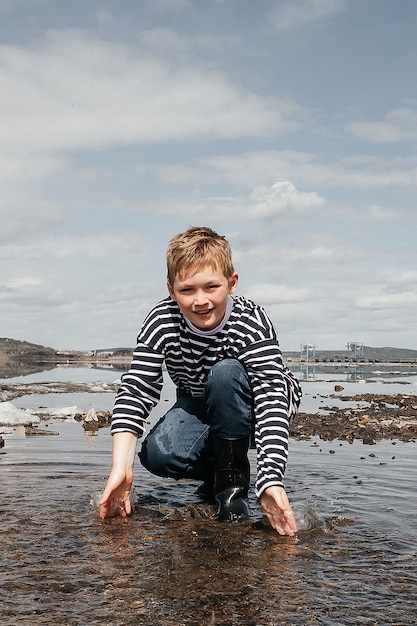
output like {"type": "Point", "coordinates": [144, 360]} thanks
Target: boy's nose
{"type": "Point", "coordinates": [200, 298]}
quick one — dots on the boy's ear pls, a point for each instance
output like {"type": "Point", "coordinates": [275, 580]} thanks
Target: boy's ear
{"type": "Point", "coordinates": [233, 282]}
{"type": "Point", "coordinates": [170, 290]}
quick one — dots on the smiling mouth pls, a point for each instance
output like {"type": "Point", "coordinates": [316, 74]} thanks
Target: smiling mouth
{"type": "Point", "coordinates": [206, 312]}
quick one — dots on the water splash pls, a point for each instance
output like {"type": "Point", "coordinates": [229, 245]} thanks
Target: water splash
{"type": "Point", "coordinates": [307, 518]}
{"type": "Point", "coordinates": [96, 497]}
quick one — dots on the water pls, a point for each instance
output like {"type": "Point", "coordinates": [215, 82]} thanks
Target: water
{"type": "Point", "coordinates": [170, 563]}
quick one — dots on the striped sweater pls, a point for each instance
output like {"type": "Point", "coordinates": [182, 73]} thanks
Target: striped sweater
{"type": "Point", "coordinates": [249, 336]}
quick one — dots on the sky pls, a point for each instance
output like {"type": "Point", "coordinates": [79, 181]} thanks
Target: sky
{"type": "Point", "coordinates": [289, 126]}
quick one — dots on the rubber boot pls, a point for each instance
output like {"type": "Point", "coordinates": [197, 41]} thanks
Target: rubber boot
{"type": "Point", "coordinates": [205, 491]}
{"type": "Point", "coordinates": [231, 478]}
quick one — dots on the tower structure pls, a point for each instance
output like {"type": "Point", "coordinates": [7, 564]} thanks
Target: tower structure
{"type": "Point", "coordinates": [307, 350]}
{"type": "Point", "coordinates": [354, 349]}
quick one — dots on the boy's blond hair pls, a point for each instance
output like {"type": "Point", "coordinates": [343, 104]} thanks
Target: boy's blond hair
{"type": "Point", "coordinates": [195, 249]}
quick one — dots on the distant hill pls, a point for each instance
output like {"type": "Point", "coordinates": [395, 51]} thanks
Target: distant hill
{"type": "Point", "coordinates": [13, 348]}
{"type": "Point", "coordinates": [389, 353]}
{"type": "Point", "coordinates": [381, 354]}
{"type": "Point", "coordinates": [19, 358]}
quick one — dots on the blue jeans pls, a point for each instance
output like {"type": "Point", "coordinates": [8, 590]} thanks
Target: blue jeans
{"type": "Point", "coordinates": [179, 445]}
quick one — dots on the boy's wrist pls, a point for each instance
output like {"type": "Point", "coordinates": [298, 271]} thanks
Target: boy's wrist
{"type": "Point", "coordinates": [124, 450]}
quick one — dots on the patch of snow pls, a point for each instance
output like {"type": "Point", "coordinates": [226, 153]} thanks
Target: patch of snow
{"type": "Point", "coordinates": [10, 415]}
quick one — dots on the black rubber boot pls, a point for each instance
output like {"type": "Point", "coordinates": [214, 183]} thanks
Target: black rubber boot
{"type": "Point", "coordinates": [231, 478]}
{"type": "Point", "coordinates": [205, 491]}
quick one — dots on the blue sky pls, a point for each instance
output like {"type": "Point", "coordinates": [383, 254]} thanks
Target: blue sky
{"type": "Point", "coordinates": [290, 126]}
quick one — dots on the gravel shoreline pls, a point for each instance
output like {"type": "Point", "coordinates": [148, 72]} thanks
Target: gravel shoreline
{"type": "Point", "coordinates": [367, 417]}
{"type": "Point", "coordinates": [374, 417]}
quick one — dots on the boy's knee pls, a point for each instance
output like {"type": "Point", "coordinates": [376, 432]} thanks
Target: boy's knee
{"type": "Point", "coordinates": [229, 399]}
{"type": "Point", "coordinates": [158, 460]}
{"type": "Point", "coordinates": [227, 371]}
{"type": "Point", "coordinates": [153, 458]}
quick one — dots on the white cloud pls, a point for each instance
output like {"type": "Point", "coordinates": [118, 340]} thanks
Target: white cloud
{"type": "Point", "coordinates": [355, 171]}
{"type": "Point", "coordinates": [377, 212]}
{"type": "Point", "coordinates": [271, 293]}
{"type": "Point", "coordinates": [294, 13]}
{"type": "Point", "coordinates": [392, 290]}
{"type": "Point", "coordinates": [72, 90]}
{"type": "Point", "coordinates": [25, 208]}
{"type": "Point", "coordinates": [382, 300]}
{"type": "Point", "coordinates": [281, 197]}
{"type": "Point", "coordinates": [175, 5]}
{"type": "Point", "coordinates": [324, 253]}
{"type": "Point", "coordinates": [76, 249]}
{"type": "Point", "coordinates": [399, 125]}
{"type": "Point", "coordinates": [26, 215]}
{"type": "Point", "coordinates": [142, 121]}
{"type": "Point", "coordinates": [264, 202]}
{"type": "Point", "coordinates": [405, 277]}
{"type": "Point", "coordinates": [19, 283]}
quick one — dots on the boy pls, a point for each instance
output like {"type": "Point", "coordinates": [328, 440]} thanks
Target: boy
{"type": "Point", "coordinates": [222, 353]}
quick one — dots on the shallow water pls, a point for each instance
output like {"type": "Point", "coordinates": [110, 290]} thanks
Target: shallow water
{"type": "Point", "coordinates": [170, 563]}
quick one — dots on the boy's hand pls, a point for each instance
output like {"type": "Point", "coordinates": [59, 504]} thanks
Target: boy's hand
{"type": "Point", "coordinates": [277, 508]}
{"type": "Point", "coordinates": [116, 495]}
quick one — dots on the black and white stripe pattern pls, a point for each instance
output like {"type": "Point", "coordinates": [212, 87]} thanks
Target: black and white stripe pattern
{"type": "Point", "coordinates": [248, 336]}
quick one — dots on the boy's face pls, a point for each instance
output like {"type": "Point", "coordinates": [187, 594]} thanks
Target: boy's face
{"type": "Point", "coordinates": [202, 297]}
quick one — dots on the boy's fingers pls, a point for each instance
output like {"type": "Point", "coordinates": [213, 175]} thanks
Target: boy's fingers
{"type": "Point", "coordinates": [110, 506]}
{"type": "Point", "coordinates": [282, 521]}
{"type": "Point", "coordinates": [290, 519]}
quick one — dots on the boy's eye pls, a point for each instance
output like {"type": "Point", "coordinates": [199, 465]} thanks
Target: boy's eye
{"type": "Point", "coordinates": [189, 290]}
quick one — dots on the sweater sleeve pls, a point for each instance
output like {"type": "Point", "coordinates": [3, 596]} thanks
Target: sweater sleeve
{"type": "Point", "coordinates": [276, 396]}
{"type": "Point", "coordinates": [139, 391]}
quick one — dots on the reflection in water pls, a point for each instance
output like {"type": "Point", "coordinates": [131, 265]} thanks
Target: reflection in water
{"type": "Point", "coordinates": [355, 374]}
{"type": "Point", "coordinates": [13, 369]}
{"type": "Point", "coordinates": [111, 367]}
{"type": "Point", "coordinates": [307, 372]}
{"type": "Point", "coordinates": [170, 563]}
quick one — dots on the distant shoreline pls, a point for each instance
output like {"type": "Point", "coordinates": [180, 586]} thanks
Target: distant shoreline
{"type": "Point", "coordinates": [83, 358]}
{"type": "Point", "coordinates": [13, 352]}
{"type": "Point", "coordinates": [289, 357]}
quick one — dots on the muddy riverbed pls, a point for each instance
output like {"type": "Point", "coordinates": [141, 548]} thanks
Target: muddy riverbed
{"type": "Point", "coordinates": [351, 480]}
